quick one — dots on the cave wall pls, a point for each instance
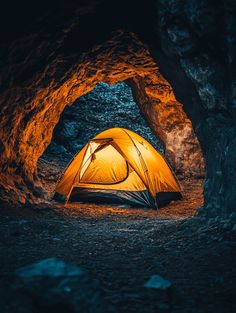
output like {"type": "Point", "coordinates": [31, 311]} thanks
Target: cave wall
{"type": "Point", "coordinates": [169, 122]}
{"type": "Point", "coordinates": [198, 38]}
{"type": "Point", "coordinates": [30, 112]}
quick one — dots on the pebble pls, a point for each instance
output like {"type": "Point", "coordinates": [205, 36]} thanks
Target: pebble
{"type": "Point", "coordinates": [56, 239]}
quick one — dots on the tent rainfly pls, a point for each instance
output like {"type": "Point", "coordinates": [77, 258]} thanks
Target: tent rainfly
{"type": "Point", "coordinates": [119, 166]}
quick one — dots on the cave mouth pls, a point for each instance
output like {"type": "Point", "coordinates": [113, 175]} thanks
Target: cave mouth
{"type": "Point", "coordinates": [104, 107]}
{"type": "Point", "coordinates": [110, 62]}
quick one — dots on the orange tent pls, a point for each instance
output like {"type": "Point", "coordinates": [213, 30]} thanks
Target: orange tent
{"type": "Point", "coordinates": [119, 165]}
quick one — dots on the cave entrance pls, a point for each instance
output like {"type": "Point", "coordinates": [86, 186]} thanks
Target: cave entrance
{"type": "Point", "coordinates": [103, 107]}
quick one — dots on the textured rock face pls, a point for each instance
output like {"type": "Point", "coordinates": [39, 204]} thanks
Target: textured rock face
{"type": "Point", "coordinates": [92, 114]}
{"type": "Point", "coordinates": [170, 124]}
{"type": "Point", "coordinates": [200, 37]}
{"type": "Point", "coordinates": [32, 108]}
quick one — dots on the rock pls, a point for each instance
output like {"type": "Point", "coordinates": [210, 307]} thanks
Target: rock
{"type": "Point", "coordinates": [159, 291]}
{"type": "Point", "coordinates": [48, 268]}
{"type": "Point", "coordinates": [69, 131]}
{"type": "Point", "coordinates": [183, 28]}
{"type": "Point", "coordinates": [22, 222]}
{"type": "Point", "coordinates": [158, 282]}
{"type": "Point", "coordinates": [56, 239]}
{"type": "Point", "coordinates": [56, 149]}
{"type": "Point", "coordinates": [226, 226]}
{"type": "Point", "coordinates": [170, 124]}
{"type": "Point", "coordinates": [234, 228]}
{"type": "Point", "coordinates": [51, 284]}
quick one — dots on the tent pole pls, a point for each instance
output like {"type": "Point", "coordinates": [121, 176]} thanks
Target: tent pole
{"type": "Point", "coordinates": [72, 186]}
{"type": "Point", "coordinates": [144, 166]}
{"type": "Point", "coordinates": [68, 196]}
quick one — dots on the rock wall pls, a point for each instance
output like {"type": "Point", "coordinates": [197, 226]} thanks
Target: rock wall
{"type": "Point", "coordinates": [198, 38]}
{"type": "Point", "coordinates": [34, 94]}
{"type": "Point", "coordinates": [168, 121]}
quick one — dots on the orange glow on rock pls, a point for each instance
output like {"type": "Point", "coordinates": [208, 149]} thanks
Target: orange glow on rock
{"type": "Point", "coordinates": [29, 114]}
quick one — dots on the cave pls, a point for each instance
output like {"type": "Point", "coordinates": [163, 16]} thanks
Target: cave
{"type": "Point", "coordinates": [176, 61]}
{"type": "Point", "coordinates": [109, 63]}
{"type": "Point", "coordinates": [112, 106]}
{"type": "Point", "coordinates": [79, 125]}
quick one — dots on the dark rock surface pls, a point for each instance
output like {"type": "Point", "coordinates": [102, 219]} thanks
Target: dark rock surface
{"type": "Point", "coordinates": [53, 285]}
{"type": "Point", "coordinates": [199, 39]}
{"type": "Point", "coordinates": [102, 108]}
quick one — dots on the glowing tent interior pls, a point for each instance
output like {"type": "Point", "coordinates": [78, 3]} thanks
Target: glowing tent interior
{"type": "Point", "coordinates": [119, 166]}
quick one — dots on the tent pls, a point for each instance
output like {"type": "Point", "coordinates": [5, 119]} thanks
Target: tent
{"type": "Point", "coordinates": [119, 166]}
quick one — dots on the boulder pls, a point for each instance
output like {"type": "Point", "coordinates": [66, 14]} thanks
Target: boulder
{"type": "Point", "coordinates": [53, 285]}
{"type": "Point", "coordinates": [159, 291]}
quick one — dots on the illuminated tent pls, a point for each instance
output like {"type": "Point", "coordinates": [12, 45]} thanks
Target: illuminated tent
{"type": "Point", "coordinates": [119, 166]}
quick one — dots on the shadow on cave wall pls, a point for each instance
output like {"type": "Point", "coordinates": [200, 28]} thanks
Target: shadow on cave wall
{"type": "Point", "coordinates": [102, 108]}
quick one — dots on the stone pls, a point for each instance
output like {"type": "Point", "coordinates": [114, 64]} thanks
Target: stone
{"type": "Point", "coordinates": [158, 282]}
{"type": "Point", "coordinates": [159, 291]}
{"type": "Point", "coordinates": [48, 268]}
{"type": "Point", "coordinates": [52, 283]}
{"type": "Point", "coordinates": [56, 239]}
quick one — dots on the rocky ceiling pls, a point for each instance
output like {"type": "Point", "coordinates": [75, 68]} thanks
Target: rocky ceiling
{"type": "Point", "coordinates": [52, 54]}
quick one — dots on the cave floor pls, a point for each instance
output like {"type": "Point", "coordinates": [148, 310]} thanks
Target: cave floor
{"type": "Point", "coordinates": [123, 247]}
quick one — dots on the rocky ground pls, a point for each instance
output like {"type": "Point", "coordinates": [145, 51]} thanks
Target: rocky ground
{"type": "Point", "coordinates": [122, 248]}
